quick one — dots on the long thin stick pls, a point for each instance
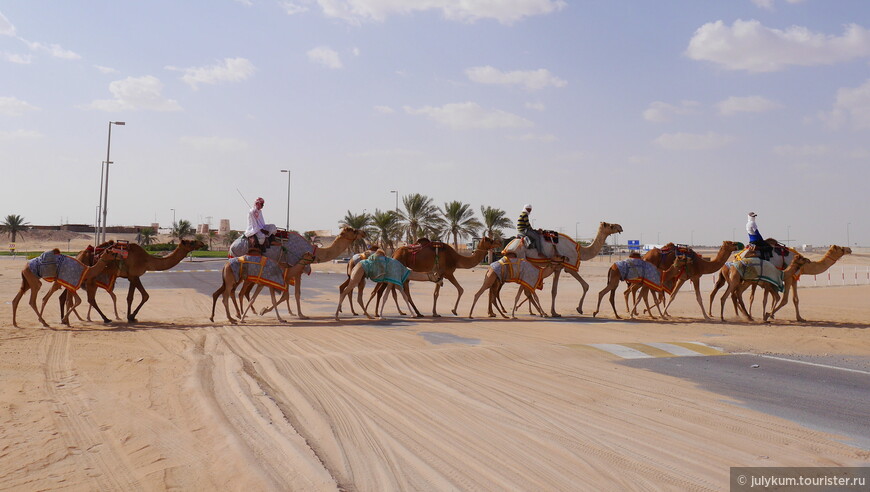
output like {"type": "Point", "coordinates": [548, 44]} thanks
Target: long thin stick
{"type": "Point", "coordinates": [243, 198]}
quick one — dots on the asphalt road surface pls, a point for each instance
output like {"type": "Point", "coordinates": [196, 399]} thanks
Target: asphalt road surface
{"type": "Point", "coordinates": [818, 396]}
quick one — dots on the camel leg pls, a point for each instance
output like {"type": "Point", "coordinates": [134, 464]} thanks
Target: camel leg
{"type": "Point", "coordinates": [583, 284]}
{"type": "Point", "coordinates": [30, 282]}
{"type": "Point", "coordinates": [720, 281]}
{"type": "Point", "coordinates": [359, 295]}
{"type": "Point", "coordinates": [51, 290]}
{"type": "Point", "coordinates": [135, 284]}
{"type": "Point", "coordinates": [357, 274]}
{"type": "Point", "coordinates": [459, 290]}
{"type": "Point", "coordinates": [796, 302]}
{"type": "Point", "coordinates": [91, 293]}
{"type": "Point", "coordinates": [674, 292]}
{"type": "Point", "coordinates": [516, 301]}
{"type": "Point", "coordinates": [73, 301]}
{"type": "Point", "coordinates": [228, 292]}
{"type": "Point", "coordinates": [752, 298]}
{"type": "Point", "coordinates": [396, 300]}
{"type": "Point", "coordinates": [407, 289]}
{"type": "Point", "coordinates": [696, 284]}
{"type": "Point", "coordinates": [488, 281]}
{"type": "Point", "coordinates": [435, 300]}
{"type": "Point", "coordinates": [251, 302]}
{"type": "Point", "coordinates": [297, 293]}
{"type": "Point", "coordinates": [612, 284]}
{"type": "Point", "coordinates": [553, 290]}
{"type": "Point", "coordinates": [374, 294]}
{"type": "Point", "coordinates": [729, 290]}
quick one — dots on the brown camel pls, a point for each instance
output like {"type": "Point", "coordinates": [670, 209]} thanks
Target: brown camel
{"type": "Point", "coordinates": [573, 254]}
{"type": "Point", "coordinates": [138, 261]}
{"type": "Point", "coordinates": [614, 278]}
{"type": "Point", "coordinates": [491, 282]}
{"type": "Point", "coordinates": [321, 255]}
{"type": "Point", "coordinates": [698, 267]}
{"type": "Point", "coordinates": [358, 274]}
{"type": "Point", "coordinates": [811, 268]}
{"type": "Point", "coordinates": [442, 259]}
{"type": "Point", "coordinates": [737, 285]}
{"type": "Point", "coordinates": [293, 271]}
{"type": "Point", "coordinates": [30, 281]}
{"type": "Point", "coordinates": [86, 256]}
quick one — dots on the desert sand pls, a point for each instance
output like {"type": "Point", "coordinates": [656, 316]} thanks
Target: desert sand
{"type": "Point", "coordinates": [178, 402]}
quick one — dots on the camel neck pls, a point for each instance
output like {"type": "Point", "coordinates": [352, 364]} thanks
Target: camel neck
{"type": "Point", "coordinates": [472, 260]}
{"type": "Point", "coordinates": [333, 250]}
{"type": "Point", "coordinates": [591, 251]}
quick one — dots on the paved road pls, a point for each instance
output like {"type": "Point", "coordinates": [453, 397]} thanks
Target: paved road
{"type": "Point", "coordinates": [824, 398]}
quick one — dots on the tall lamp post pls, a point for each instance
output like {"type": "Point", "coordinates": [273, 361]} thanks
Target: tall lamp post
{"type": "Point", "coordinates": [397, 199]}
{"type": "Point", "coordinates": [288, 197]}
{"type": "Point", "coordinates": [576, 237]}
{"type": "Point", "coordinates": [104, 187]}
{"type": "Point", "coordinates": [173, 216]}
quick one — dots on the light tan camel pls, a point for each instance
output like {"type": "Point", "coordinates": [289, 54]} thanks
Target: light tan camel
{"type": "Point", "coordinates": [30, 281]}
{"type": "Point", "coordinates": [86, 256]}
{"type": "Point", "coordinates": [614, 278]}
{"type": "Point", "coordinates": [138, 261]}
{"type": "Point", "coordinates": [811, 268]}
{"type": "Point", "coordinates": [699, 267]}
{"type": "Point", "coordinates": [321, 255]}
{"type": "Point", "coordinates": [736, 285]}
{"type": "Point", "coordinates": [583, 253]}
{"type": "Point", "coordinates": [358, 274]}
{"type": "Point", "coordinates": [293, 271]}
{"type": "Point", "coordinates": [491, 280]}
{"type": "Point", "coordinates": [443, 262]}
{"type": "Point", "coordinates": [495, 296]}
{"type": "Point", "coordinates": [361, 287]}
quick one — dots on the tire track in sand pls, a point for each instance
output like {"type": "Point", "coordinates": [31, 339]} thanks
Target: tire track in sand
{"type": "Point", "coordinates": [85, 439]}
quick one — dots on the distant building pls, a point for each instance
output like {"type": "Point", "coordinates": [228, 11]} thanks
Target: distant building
{"type": "Point", "coordinates": [224, 228]}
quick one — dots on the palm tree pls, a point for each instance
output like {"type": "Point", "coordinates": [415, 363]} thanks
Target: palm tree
{"type": "Point", "coordinates": [181, 229]}
{"type": "Point", "coordinates": [494, 220]}
{"type": "Point", "coordinates": [230, 237]}
{"type": "Point", "coordinates": [146, 236]}
{"type": "Point", "coordinates": [386, 227]}
{"type": "Point", "coordinates": [460, 221]}
{"type": "Point", "coordinates": [357, 221]}
{"type": "Point", "coordinates": [420, 218]}
{"type": "Point", "coordinates": [212, 235]}
{"type": "Point", "coordinates": [14, 225]}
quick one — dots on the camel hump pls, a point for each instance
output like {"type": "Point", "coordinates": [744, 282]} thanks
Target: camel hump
{"type": "Point", "coordinates": [423, 241]}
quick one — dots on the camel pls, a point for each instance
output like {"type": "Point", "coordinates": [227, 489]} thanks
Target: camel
{"type": "Point", "coordinates": [492, 282]}
{"type": "Point", "coordinates": [361, 287]}
{"type": "Point", "coordinates": [696, 268]}
{"type": "Point", "coordinates": [321, 255]}
{"type": "Point", "coordinates": [614, 276]}
{"type": "Point", "coordinates": [737, 285]}
{"type": "Point", "coordinates": [359, 273]}
{"type": "Point", "coordinates": [30, 280]}
{"type": "Point", "coordinates": [86, 257]}
{"type": "Point", "coordinates": [573, 254]}
{"type": "Point", "coordinates": [442, 259]}
{"type": "Point", "coordinates": [290, 271]}
{"type": "Point", "coordinates": [833, 254]}
{"type": "Point", "coordinates": [138, 261]}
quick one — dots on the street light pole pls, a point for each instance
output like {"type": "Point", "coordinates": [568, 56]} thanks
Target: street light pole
{"type": "Point", "coordinates": [397, 199]}
{"type": "Point", "coordinates": [173, 216]}
{"type": "Point", "coordinates": [288, 197]}
{"type": "Point", "coordinates": [576, 237]}
{"type": "Point", "coordinates": [106, 185]}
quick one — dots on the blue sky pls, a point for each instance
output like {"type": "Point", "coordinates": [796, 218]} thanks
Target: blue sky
{"type": "Point", "coordinates": [672, 118]}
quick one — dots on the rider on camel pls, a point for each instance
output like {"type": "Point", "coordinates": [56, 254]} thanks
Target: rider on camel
{"type": "Point", "coordinates": [258, 230]}
{"type": "Point", "coordinates": [524, 228]}
{"type": "Point", "coordinates": [765, 250]}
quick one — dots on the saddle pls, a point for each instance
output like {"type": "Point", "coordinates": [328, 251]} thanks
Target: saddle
{"type": "Point", "coordinates": [122, 248]}
{"type": "Point", "coordinates": [550, 236]}
{"type": "Point", "coordinates": [421, 243]}
{"type": "Point", "coordinates": [679, 250]}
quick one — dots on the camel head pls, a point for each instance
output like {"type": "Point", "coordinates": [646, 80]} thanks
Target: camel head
{"type": "Point", "coordinates": [487, 243]}
{"type": "Point", "coordinates": [839, 251]}
{"type": "Point", "coordinates": [609, 228]}
{"type": "Point", "coordinates": [731, 246]}
{"type": "Point", "coordinates": [799, 260]}
{"type": "Point", "coordinates": [109, 256]}
{"type": "Point", "coordinates": [190, 245]}
{"type": "Point", "coordinates": [351, 234]}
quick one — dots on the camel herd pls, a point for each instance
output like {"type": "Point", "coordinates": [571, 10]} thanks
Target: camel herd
{"type": "Point", "coordinates": [659, 274]}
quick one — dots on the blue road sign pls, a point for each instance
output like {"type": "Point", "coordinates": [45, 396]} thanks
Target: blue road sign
{"type": "Point", "coordinates": [633, 244]}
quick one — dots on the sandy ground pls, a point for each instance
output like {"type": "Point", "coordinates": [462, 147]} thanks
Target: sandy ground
{"type": "Point", "coordinates": [177, 402]}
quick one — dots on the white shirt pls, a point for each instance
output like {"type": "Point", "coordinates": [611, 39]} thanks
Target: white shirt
{"type": "Point", "coordinates": [255, 222]}
{"type": "Point", "coordinates": [751, 228]}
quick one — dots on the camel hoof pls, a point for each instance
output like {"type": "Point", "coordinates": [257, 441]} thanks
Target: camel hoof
{"type": "Point", "coordinates": [555, 315]}
{"type": "Point", "coordinates": [454, 312]}
{"type": "Point", "coordinates": [580, 310]}
{"type": "Point", "coordinates": [436, 315]}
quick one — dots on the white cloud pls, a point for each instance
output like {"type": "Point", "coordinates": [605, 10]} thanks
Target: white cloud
{"type": "Point", "coordinates": [852, 107]}
{"type": "Point", "coordinates": [749, 104]}
{"type": "Point", "coordinates": [691, 141]}
{"type": "Point", "coordinates": [506, 12]}
{"type": "Point", "coordinates": [530, 79]}
{"type": "Point", "coordinates": [216, 144]}
{"type": "Point", "coordinates": [16, 58]}
{"type": "Point", "coordinates": [325, 56]}
{"type": "Point", "coordinates": [135, 93]}
{"type": "Point", "coordinates": [229, 70]}
{"type": "Point", "coordinates": [763, 4]}
{"type": "Point", "coordinates": [293, 8]}
{"type": "Point", "coordinates": [11, 106]}
{"type": "Point", "coordinates": [532, 137]}
{"type": "Point", "coordinates": [468, 115]}
{"type": "Point", "coordinates": [103, 69]}
{"type": "Point", "coordinates": [536, 106]}
{"type": "Point", "coordinates": [800, 151]}
{"type": "Point", "coordinates": [659, 111]}
{"type": "Point", "coordinates": [20, 135]}
{"type": "Point", "coordinates": [384, 109]}
{"type": "Point", "coordinates": [355, 51]}
{"type": "Point", "coordinates": [54, 50]}
{"type": "Point", "coordinates": [748, 45]}
{"type": "Point", "coordinates": [6, 27]}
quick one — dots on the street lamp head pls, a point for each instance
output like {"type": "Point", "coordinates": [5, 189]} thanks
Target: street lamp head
{"type": "Point", "coordinates": [285, 170]}
{"type": "Point", "coordinates": [122, 123]}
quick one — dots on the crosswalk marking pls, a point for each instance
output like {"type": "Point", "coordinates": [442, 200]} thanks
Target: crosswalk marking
{"type": "Point", "coordinates": [634, 350]}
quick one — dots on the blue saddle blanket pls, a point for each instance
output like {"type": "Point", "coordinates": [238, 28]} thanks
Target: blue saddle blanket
{"type": "Point", "coordinates": [635, 269]}
{"type": "Point", "coordinates": [380, 268]}
{"type": "Point", "coordinates": [757, 270]}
